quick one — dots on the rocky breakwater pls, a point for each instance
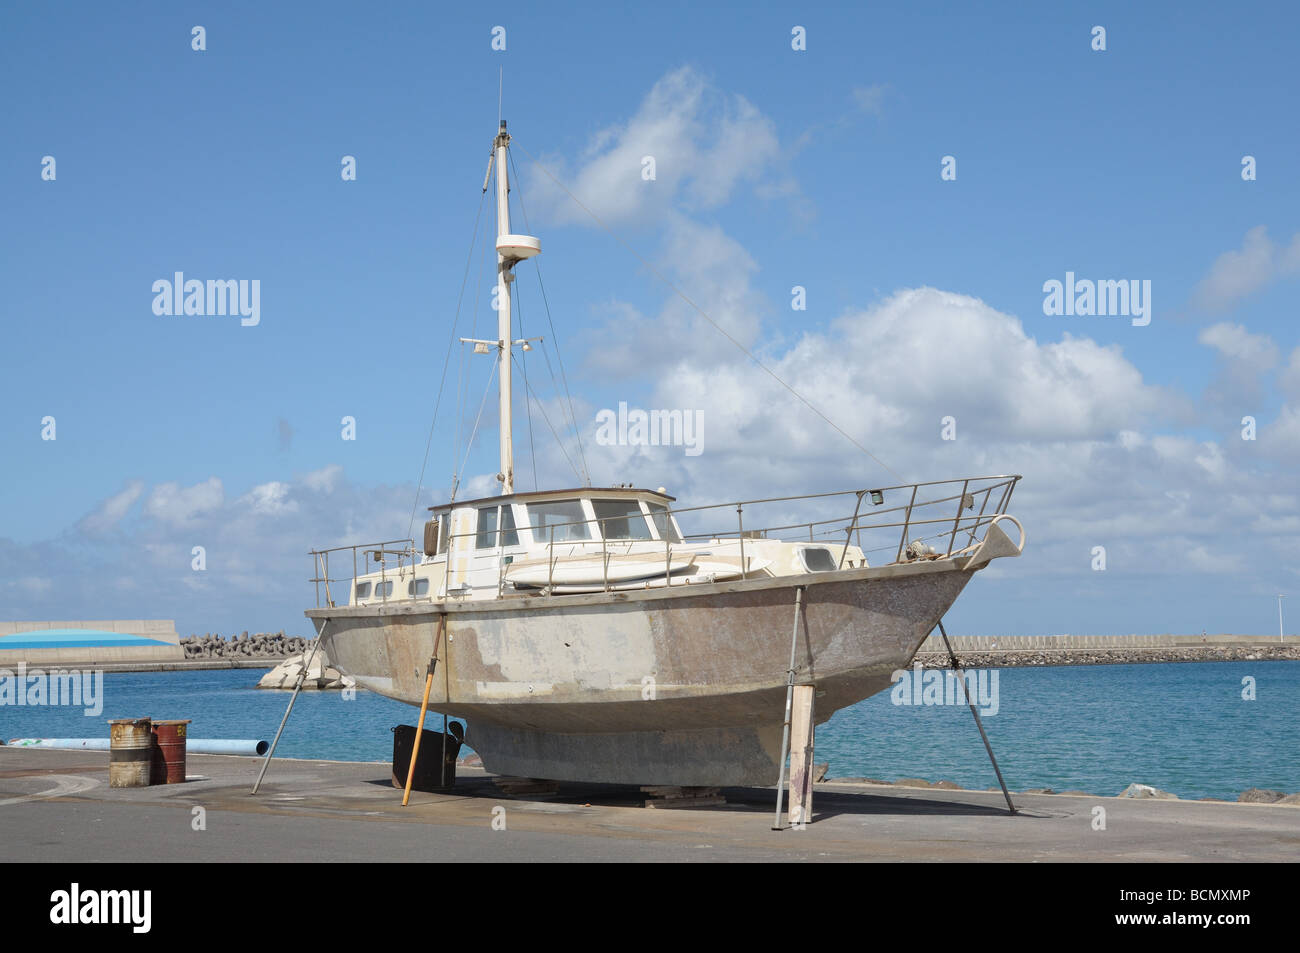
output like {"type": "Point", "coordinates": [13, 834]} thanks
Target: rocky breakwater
{"type": "Point", "coordinates": [268, 645]}
{"type": "Point", "coordinates": [1014, 658]}
{"type": "Point", "coordinates": [321, 675]}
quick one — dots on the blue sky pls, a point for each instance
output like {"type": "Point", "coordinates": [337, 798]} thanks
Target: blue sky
{"type": "Point", "coordinates": [776, 168]}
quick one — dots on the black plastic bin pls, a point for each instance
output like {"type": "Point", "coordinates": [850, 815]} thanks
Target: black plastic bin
{"type": "Point", "coordinates": [428, 775]}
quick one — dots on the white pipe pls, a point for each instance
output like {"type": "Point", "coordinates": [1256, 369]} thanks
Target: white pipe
{"type": "Point", "coordinates": [192, 745]}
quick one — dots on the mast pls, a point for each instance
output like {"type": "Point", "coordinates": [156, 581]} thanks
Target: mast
{"type": "Point", "coordinates": [504, 278]}
{"type": "Point", "coordinates": [511, 249]}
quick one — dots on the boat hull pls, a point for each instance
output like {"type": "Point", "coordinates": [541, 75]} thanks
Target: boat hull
{"type": "Point", "coordinates": [680, 687]}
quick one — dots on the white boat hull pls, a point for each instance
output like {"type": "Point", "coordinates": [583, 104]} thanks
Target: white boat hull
{"type": "Point", "coordinates": [669, 686]}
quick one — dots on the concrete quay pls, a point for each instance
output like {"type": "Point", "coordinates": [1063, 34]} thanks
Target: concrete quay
{"type": "Point", "coordinates": [56, 806]}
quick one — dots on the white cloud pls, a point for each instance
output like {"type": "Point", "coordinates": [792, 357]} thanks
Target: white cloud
{"type": "Point", "coordinates": [323, 480]}
{"type": "Point", "coordinates": [889, 374]}
{"type": "Point", "coordinates": [1290, 379]}
{"type": "Point", "coordinates": [703, 143]}
{"type": "Point", "coordinates": [176, 506]}
{"type": "Point", "coordinates": [1200, 559]}
{"type": "Point", "coordinates": [1238, 274]}
{"type": "Point", "coordinates": [109, 513]}
{"type": "Point", "coordinates": [256, 547]}
{"type": "Point", "coordinates": [715, 272]}
{"type": "Point", "coordinates": [871, 99]}
{"type": "Point", "coordinates": [270, 499]}
{"type": "Point", "coordinates": [1233, 341]}
{"type": "Point", "coordinates": [1244, 359]}
{"type": "Point", "coordinates": [1282, 436]}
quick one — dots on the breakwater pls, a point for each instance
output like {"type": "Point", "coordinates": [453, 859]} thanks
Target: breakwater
{"type": "Point", "coordinates": [1010, 651]}
{"type": "Point", "coordinates": [262, 645]}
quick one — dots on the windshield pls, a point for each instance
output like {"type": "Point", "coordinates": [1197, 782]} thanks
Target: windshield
{"type": "Point", "coordinates": [663, 522]}
{"type": "Point", "coordinates": [543, 516]}
{"type": "Point", "coordinates": [621, 519]}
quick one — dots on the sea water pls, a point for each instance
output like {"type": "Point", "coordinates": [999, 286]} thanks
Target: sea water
{"type": "Point", "coordinates": [1190, 728]}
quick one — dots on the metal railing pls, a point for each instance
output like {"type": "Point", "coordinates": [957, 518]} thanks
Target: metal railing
{"type": "Point", "coordinates": [941, 511]}
{"type": "Point", "coordinates": [376, 553]}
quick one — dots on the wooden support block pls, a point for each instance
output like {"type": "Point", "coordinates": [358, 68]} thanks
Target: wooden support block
{"type": "Point", "coordinates": [526, 787]}
{"type": "Point", "coordinates": [801, 755]}
{"type": "Point", "coordinates": [673, 796]}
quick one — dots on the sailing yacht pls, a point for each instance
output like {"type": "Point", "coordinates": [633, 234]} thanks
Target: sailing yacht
{"type": "Point", "coordinates": [607, 634]}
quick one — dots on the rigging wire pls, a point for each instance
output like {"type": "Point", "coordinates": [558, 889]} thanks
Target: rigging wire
{"type": "Point", "coordinates": [744, 350]}
{"type": "Point", "coordinates": [573, 418]}
{"type": "Point", "coordinates": [523, 367]}
{"type": "Point", "coordinates": [483, 403]}
{"type": "Point", "coordinates": [419, 485]}
{"type": "Point", "coordinates": [542, 410]}
{"type": "Point", "coordinates": [583, 475]}
{"type": "Point", "coordinates": [466, 356]}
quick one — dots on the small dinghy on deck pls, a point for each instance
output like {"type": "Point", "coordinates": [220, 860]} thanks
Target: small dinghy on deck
{"type": "Point", "coordinates": [595, 569]}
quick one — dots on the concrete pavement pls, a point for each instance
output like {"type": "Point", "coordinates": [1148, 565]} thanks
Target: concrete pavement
{"type": "Point", "coordinates": [57, 806]}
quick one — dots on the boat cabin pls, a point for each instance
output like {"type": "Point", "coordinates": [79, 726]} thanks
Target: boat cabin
{"type": "Point", "coordinates": [478, 539]}
{"type": "Point", "coordinates": [561, 542]}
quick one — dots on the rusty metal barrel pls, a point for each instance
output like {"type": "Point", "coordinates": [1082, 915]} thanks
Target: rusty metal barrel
{"type": "Point", "coordinates": [130, 752]}
{"type": "Point", "coordinates": [169, 751]}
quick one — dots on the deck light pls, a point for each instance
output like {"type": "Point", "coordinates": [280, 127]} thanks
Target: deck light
{"type": "Point", "coordinates": [480, 347]}
{"type": "Point", "coordinates": [877, 497]}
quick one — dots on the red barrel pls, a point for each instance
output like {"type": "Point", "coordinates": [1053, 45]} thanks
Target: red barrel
{"type": "Point", "coordinates": [169, 752]}
{"type": "Point", "coordinates": [130, 753]}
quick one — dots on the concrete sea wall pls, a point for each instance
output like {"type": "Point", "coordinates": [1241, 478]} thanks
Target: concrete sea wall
{"type": "Point", "coordinates": [89, 642]}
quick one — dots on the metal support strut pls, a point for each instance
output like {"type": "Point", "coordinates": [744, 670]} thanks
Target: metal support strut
{"type": "Point", "coordinates": [302, 677]}
{"type": "Point", "coordinates": [789, 701]}
{"type": "Point", "coordinates": [961, 676]}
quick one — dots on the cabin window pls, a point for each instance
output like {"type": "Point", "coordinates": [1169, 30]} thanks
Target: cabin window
{"type": "Point", "coordinates": [816, 559]}
{"type": "Point", "coordinates": [509, 535]}
{"type": "Point", "coordinates": [487, 529]}
{"type": "Point", "coordinates": [361, 591]}
{"type": "Point", "coordinates": [383, 589]}
{"type": "Point", "coordinates": [663, 522]}
{"type": "Point", "coordinates": [417, 587]}
{"type": "Point", "coordinates": [543, 516]}
{"type": "Point", "coordinates": [621, 519]}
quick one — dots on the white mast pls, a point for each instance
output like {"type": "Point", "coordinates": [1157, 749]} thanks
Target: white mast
{"type": "Point", "coordinates": [504, 277]}
{"type": "Point", "coordinates": [510, 250]}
